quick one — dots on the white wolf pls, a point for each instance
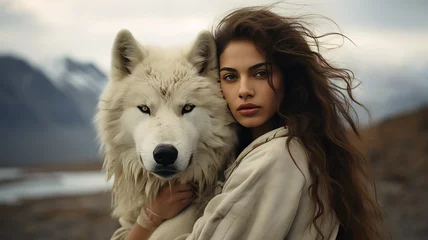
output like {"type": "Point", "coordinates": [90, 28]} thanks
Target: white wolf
{"type": "Point", "coordinates": [161, 118]}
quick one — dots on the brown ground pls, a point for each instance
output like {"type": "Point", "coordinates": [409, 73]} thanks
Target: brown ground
{"type": "Point", "coordinates": [397, 148]}
{"type": "Point", "coordinates": [85, 217]}
{"type": "Point", "coordinates": [398, 151]}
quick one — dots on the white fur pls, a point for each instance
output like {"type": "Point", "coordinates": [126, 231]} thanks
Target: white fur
{"type": "Point", "coordinates": [164, 80]}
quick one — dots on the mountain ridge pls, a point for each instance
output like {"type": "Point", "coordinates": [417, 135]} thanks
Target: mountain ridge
{"type": "Point", "coordinates": [50, 124]}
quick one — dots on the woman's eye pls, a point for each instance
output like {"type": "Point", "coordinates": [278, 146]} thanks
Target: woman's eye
{"type": "Point", "coordinates": [144, 109]}
{"type": "Point", "coordinates": [261, 73]}
{"type": "Point", "coordinates": [229, 77]}
{"type": "Point", "coordinates": [187, 108]}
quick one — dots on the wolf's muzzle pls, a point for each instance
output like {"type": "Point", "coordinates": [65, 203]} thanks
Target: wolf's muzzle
{"type": "Point", "coordinates": [165, 154]}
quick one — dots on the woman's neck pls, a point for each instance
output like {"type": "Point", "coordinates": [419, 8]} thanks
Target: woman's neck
{"type": "Point", "coordinates": [264, 128]}
{"type": "Point", "coordinates": [258, 131]}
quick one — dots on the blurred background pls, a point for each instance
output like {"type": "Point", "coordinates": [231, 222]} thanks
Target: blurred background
{"type": "Point", "coordinates": [54, 61]}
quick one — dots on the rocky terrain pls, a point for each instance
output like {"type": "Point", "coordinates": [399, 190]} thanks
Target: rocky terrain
{"type": "Point", "coordinates": [398, 150]}
{"type": "Point", "coordinates": [76, 217]}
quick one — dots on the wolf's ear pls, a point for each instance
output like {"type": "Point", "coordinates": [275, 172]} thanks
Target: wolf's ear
{"type": "Point", "coordinates": [126, 54]}
{"type": "Point", "coordinates": [203, 53]}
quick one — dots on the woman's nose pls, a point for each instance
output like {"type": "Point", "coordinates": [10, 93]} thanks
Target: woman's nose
{"type": "Point", "coordinates": [245, 89]}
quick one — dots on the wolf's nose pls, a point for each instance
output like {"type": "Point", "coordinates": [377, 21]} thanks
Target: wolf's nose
{"type": "Point", "coordinates": [165, 154]}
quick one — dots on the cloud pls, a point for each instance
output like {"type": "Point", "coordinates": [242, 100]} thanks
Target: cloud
{"type": "Point", "coordinates": [387, 90]}
{"type": "Point", "coordinates": [368, 14]}
{"type": "Point", "coordinates": [14, 19]}
{"type": "Point", "coordinates": [388, 14]}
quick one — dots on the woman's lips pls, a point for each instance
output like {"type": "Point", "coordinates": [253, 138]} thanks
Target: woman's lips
{"type": "Point", "coordinates": [248, 111]}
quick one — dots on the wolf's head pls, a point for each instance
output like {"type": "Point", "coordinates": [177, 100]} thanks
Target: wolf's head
{"type": "Point", "coordinates": [162, 115]}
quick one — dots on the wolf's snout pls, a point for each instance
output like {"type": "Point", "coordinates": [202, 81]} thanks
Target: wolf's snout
{"type": "Point", "coordinates": [165, 154]}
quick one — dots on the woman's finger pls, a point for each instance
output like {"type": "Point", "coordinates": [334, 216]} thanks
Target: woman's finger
{"type": "Point", "coordinates": [181, 188]}
{"type": "Point", "coordinates": [187, 200]}
{"type": "Point", "coordinates": [170, 189]}
{"type": "Point", "coordinates": [182, 195]}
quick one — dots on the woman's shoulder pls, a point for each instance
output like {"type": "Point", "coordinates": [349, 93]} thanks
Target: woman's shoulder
{"type": "Point", "coordinates": [278, 152]}
{"type": "Point", "coordinates": [269, 163]}
{"type": "Point", "coordinates": [270, 154]}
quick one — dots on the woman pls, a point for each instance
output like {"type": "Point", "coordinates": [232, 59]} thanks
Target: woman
{"type": "Point", "coordinates": [297, 175]}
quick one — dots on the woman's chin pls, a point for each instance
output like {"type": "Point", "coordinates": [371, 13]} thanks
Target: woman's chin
{"type": "Point", "coordinates": [251, 122]}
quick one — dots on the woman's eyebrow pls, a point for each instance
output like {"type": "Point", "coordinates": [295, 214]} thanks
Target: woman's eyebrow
{"type": "Point", "coordinates": [228, 69]}
{"type": "Point", "coordinates": [255, 66]}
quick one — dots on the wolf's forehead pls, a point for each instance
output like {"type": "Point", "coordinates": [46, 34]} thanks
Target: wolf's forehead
{"type": "Point", "coordinates": [168, 68]}
{"type": "Point", "coordinates": [168, 76]}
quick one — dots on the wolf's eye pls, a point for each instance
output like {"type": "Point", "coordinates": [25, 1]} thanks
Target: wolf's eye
{"type": "Point", "coordinates": [144, 109]}
{"type": "Point", "coordinates": [187, 108]}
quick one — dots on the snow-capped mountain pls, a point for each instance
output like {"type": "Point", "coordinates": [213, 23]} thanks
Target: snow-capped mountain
{"type": "Point", "coordinates": [81, 82]}
{"type": "Point", "coordinates": [67, 73]}
{"type": "Point", "coordinates": [47, 114]}
{"type": "Point", "coordinates": [29, 99]}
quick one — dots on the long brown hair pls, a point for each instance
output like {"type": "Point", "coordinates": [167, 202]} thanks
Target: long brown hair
{"type": "Point", "coordinates": [317, 110]}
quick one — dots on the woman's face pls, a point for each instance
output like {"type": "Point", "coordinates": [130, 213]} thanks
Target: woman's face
{"type": "Point", "coordinates": [244, 82]}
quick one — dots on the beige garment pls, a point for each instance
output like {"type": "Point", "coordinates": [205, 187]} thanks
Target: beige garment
{"type": "Point", "coordinates": [265, 197]}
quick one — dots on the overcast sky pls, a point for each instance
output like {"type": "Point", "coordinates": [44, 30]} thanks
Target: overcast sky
{"type": "Point", "coordinates": [391, 36]}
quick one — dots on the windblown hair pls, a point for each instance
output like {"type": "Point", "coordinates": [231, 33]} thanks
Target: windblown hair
{"type": "Point", "coordinates": [317, 110]}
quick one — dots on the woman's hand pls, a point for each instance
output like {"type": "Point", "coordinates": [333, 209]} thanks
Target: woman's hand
{"type": "Point", "coordinates": [169, 202]}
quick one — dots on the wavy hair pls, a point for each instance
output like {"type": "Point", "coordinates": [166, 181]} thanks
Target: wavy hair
{"type": "Point", "coordinates": [317, 110]}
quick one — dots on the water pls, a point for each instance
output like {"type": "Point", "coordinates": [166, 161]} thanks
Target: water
{"type": "Point", "coordinates": [41, 185]}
